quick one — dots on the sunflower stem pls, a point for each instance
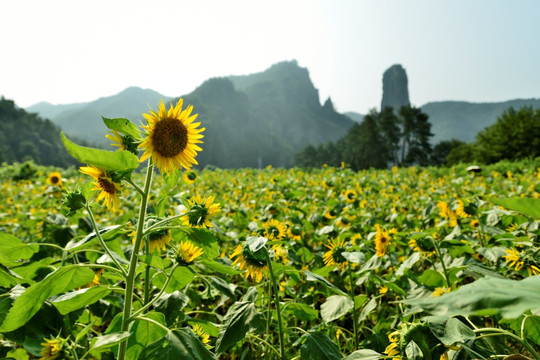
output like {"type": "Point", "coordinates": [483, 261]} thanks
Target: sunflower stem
{"type": "Point", "coordinates": [439, 255]}
{"type": "Point", "coordinates": [102, 242]}
{"type": "Point", "coordinates": [276, 301]}
{"type": "Point", "coordinates": [128, 295]}
{"type": "Point", "coordinates": [147, 273]}
{"type": "Point", "coordinates": [355, 326]}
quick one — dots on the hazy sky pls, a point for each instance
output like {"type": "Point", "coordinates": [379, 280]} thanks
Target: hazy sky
{"type": "Point", "coordinates": [75, 51]}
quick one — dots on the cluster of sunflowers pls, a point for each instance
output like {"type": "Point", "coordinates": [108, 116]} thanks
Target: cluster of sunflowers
{"type": "Point", "coordinates": [279, 263]}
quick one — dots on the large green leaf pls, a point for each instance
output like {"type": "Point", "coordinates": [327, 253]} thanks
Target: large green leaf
{"type": "Point", "coordinates": [177, 344]}
{"type": "Point", "coordinates": [240, 318]}
{"type": "Point", "coordinates": [171, 305]}
{"type": "Point", "coordinates": [181, 277]}
{"type": "Point", "coordinates": [486, 296]}
{"type": "Point", "coordinates": [123, 126]}
{"type": "Point", "coordinates": [80, 298]}
{"type": "Point", "coordinates": [301, 311]}
{"type": "Point", "coordinates": [109, 160]}
{"type": "Point", "coordinates": [335, 307]}
{"type": "Point", "coordinates": [12, 250]}
{"type": "Point", "coordinates": [527, 206]}
{"type": "Point", "coordinates": [106, 341]}
{"type": "Point", "coordinates": [314, 277]}
{"type": "Point", "coordinates": [318, 346]}
{"type": "Point", "coordinates": [30, 301]}
{"type": "Point", "coordinates": [201, 237]}
{"type": "Point", "coordinates": [143, 333]}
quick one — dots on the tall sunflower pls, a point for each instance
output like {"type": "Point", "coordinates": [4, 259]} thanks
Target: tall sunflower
{"type": "Point", "coordinates": [172, 137]}
{"type": "Point", "coordinates": [104, 182]}
{"type": "Point", "coordinates": [54, 178]}
{"type": "Point", "coordinates": [200, 210]}
{"type": "Point", "coordinates": [382, 239]}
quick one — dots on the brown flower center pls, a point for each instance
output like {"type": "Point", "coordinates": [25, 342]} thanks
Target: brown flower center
{"type": "Point", "coordinates": [55, 180]}
{"type": "Point", "coordinates": [170, 137]}
{"type": "Point", "coordinates": [107, 186]}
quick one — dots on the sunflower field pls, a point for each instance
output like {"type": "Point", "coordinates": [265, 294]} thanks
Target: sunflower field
{"type": "Point", "coordinates": [113, 262]}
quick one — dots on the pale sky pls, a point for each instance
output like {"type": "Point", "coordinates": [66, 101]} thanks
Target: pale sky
{"type": "Point", "coordinates": [66, 51]}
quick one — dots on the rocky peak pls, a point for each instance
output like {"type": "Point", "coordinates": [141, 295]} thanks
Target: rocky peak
{"type": "Point", "coordinates": [395, 88]}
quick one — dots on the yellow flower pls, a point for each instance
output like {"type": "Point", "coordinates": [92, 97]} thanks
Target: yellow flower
{"type": "Point", "coordinates": [333, 256]}
{"type": "Point", "coordinates": [533, 270]}
{"type": "Point", "coordinates": [383, 290]}
{"type": "Point", "coordinates": [460, 210]}
{"type": "Point", "coordinates": [189, 177]}
{"type": "Point", "coordinates": [382, 240]}
{"type": "Point", "coordinates": [124, 142]}
{"type": "Point", "coordinates": [96, 280]}
{"type": "Point", "coordinates": [274, 229]}
{"type": "Point", "coordinates": [512, 259]}
{"type": "Point", "coordinates": [54, 178]}
{"type": "Point", "coordinates": [280, 253]}
{"type": "Point", "coordinates": [51, 349]}
{"type": "Point", "coordinates": [205, 338]}
{"type": "Point", "coordinates": [172, 137]}
{"type": "Point", "coordinates": [255, 268]}
{"type": "Point", "coordinates": [188, 252]}
{"type": "Point", "coordinates": [350, 196]}
{"type": "Point", "coordinates": [440, 290]}
{"type": "Point", "coordinates": [356, 239]}
{"type": "Point", "coordinates": [109, 188]}
{"type": "Point", "coordinates": [475, 223]}
{"type": "Point", "coordinates": [157, 240]}
{"type": "Point", "coordinates": [200, 210]}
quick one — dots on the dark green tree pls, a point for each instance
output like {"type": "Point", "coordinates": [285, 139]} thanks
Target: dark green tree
{"type": "Point", "coordinates": [389, 124]}
{"type": "Point", "coordinates": [442, 150]}
{"type": "Point", "coordinates": [416, 131]}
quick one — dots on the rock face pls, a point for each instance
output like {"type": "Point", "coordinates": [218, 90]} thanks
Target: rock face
{"type": "Point", "coordinates": [395, 88]}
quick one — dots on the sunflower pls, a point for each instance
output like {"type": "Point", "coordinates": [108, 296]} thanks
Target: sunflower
{"type": "Point", "coordinates": [274, 229]}
{"type": "Point", "coordinates": [109, 188]}
{"type": "Point", "coordinates": [124, 142]}
{"type": "Point", "coordinates": [382, 239]}
{"type": "Point", "coordinates": [245, 260]}
{"type": "Point", "coordinates": [188, 252]}
{"type": "Point", "coordinates": [200, 210]}
{"type": "Point", "coordinates": [333, 256]}
{"type": "Point", "coordinates": [474, 223]}
{"type": "Point", "coordinates": [97, 277]}
{"type": "Point", "coordinates": [350, 196]}
{"type": "Point", "coordinates": [51, 349]}
{"type": "Point", "coordinates": [205, 338]}
{"type": "Point", "coordinates": [172, 137]}
{"type": "Point", "coordinates": [190, 177]}
{"type": "Point", "coordinates": [441, 290]}
{"type": "Point", "coordinates": [513, 259]}
{"type": "Point", "coordinates": [54, 178]}
{"type": "Point", "coordinates": [157, 240]}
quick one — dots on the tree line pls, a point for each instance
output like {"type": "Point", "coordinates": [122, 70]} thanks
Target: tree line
{"type": "Point", "coordinates": [402, 138]}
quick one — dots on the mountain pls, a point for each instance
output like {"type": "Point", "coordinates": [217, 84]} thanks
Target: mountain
{"type": "Point", "coordinates": [26, 136]}
{"type": "Point", "coordinates": [355, 116]}
{"type": "Point", "coordinates": [263, 118]}
{"type": "Point", "coordinates": [83, 120]}
{"type": "Point", "coordinates": [395, 88]}
{"type": "Point", "coordinates": [463, 120]}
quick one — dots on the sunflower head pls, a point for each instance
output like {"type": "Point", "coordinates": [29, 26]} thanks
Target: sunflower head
{"type": "Point", "coordinates": [108, 183]}
{"type": "Point", "coordinates": [188, 252]}
{"type": "Point", "coordinates": [274, 229]}
{"type": "Point", "coordinates": [350, 196]}
{"type": "Point", "coordinates": [382, 240]}
{"type": "Point", "coordinates": [253, 262]}
{"type": "Point", "coordinates": [74, 201]}
{"type": "Point", "coordinates": [199, 331]}
{"type": "Point", "coordinates": [334, 257]}
{"type": "Point", "coordinates": [50, 349]}
{"type": "Point", "coordinates": [124, 142]}
{"type": "Point", "coordinates": [199, 211]}
{"type": "Point", "coordinates": [171, 137]}
{"type": "Point", "coordinates": [190, 177]}
{"type": "Point", "coordinates": [54, 178]}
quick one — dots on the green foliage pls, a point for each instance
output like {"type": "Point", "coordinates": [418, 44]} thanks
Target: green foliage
{"type": "Point", "coordinates": [25, 136]}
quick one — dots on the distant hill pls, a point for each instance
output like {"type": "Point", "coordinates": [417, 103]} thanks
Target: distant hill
{"type": "Point", "coordinates": [463, 120]}
{"type": "Point", "coordinates": [355, 116]}
{"type": "Point", "coordinates": [83, 120]}
{"type": "Point", "coordinates": [26, 136]}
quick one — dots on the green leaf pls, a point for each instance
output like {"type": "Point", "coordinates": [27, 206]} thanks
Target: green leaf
{"type": "Point", "coordinates": [527, 206]}
{"type": "Point", "coordinates": [181, 277]}
{"type": "Point", "coordinates": [216, 267]}
{"type": "Point", "coordinates": [335, 307]}
{"type": "Point", "coordinates": [364, 354]}
{"type": "Point", "coordinates": [106, 233]}
{"type": "Point", "coordinates": [256, 243]}
{"type": "Point", "coordinates": [456, 331]}
{"type": "Point", "coordinates": [80, 298]}
{"type": "Point", "coordinates": [222, 286]}
{"type": "Point", "coordinates": [240, 318]}
{"type": "Point", "coordinates": [177, 344]}
{"type": "Point", "coordinates": [370, 306]}
{"type": "Point", "coordinates": [314, 277]}
{"type": "Point", "coordinates": [123, 126]}
{"type": "Point", "coordinates": [301, 311]}
{"type": "Point", "coordinates": [120, 160]}
{"type": "Point", "coordinates": [318, 346]}
{"type": "Point", "coordinates": [171, 179]}
{"type": "Point", "coordinates": [486, 296]}
{"type": "Point", "coordinates": [12, 250]}
{"type": "Point", "coordinates": [408, 263]}
{"type": "Point", "coordinates": [432, 278]}
{"type": "Point", "coordinates": [356, 257]}
{"type": "Point", "coordinates": [7, 280]}
{"type": "Point", "coordinates": [201, 237]}
{"type": "Point", "coordinates": [106, 341]}
{"type": "Point", "coordinates": [143, 333]}
{"type": "Point", "coordinates": [30, 301]}
{"type": "Point", "coordinates": [413, 351]}
{"type": "Point", "coordinates": [171, 305]}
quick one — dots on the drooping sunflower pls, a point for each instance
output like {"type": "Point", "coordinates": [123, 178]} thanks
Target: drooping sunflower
{"type": "Point", "coordinates": [188, 252]}
{"type": "Point", "coordinates": [157, 240]}
{"type": "Point", "coordinates": [382, 239]}
{"type": "Point", "coordinates": [104, 182]}
{"type": "Point", "coordinates": [124, 142]}
{"type": "Point", "coordinates": [51, 349]}
{"type": "Point", "coordinates": [513, 259]}
{"type": "Point", "coordinates": [54, 178]}
{"type": "Point", "coordinates": [198, 330]}
{"type": "Point", "coordinates": [245, 260]}
{"type": "Point", "coordinates": [274, 229]}
{"type": "Point", "coordinates": [172, 137]}
{"type": "Point", "coordinates": [333, 256]}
